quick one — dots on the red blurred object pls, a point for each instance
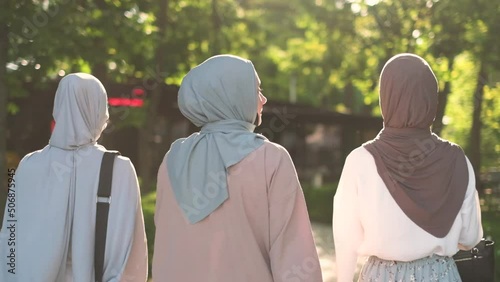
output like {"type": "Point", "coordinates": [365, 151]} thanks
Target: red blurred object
{"type": "Point", "coordinates": [52, 125]}
{"type": "Point", "coordinates": [126, 102]}
{"type": "Point", "coordinates": [138, 92]}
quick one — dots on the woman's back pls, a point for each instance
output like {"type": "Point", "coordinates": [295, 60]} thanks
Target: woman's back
{"type": "Point", "coordinates": [386, 231]}
{"type": "Point", "coordinates": [50, 228]}
{"type": "Point", "coordinates": [260, 233]}
{"type": "Point", "coordinates": [56, 216]}
{"type": "Point", "coordinates": [229, 203]}
{"type": "Point", "coordinates": [407, 198]}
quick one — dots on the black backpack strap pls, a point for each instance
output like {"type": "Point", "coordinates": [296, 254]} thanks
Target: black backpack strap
{"type": "Point", "coordinates": [103, 201]}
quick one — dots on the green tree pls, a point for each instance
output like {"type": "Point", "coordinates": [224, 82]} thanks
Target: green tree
{"type": "Point", "coordinates": [322, 53]}
{"type": "Point", "coordinates": [148, 131]}
{"type": "Point", "coordinates": [482, 33]}
{"type": "Point", "coordinates": [447, 42]}
{"type": "Point", "coordinates": [14, 38]}
{"type": "Point", "coordinates": [4, 39]}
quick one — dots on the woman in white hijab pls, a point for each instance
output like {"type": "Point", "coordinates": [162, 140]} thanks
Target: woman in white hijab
{"type": "Point", "coordinates": [229, 204]}
{"type": "Point", "coordinates": [52, 235]}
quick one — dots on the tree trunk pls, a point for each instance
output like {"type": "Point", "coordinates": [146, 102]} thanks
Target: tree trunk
{"type": "Point", "coordinates": [349, 97]}
{"type": "Point", "coordinates": [146, 144]}
{"type": "Point", "coordinates": [437, 126]}
{"type": "Point", "coordinates": [475, 132]}
{"type": "Point", "coordinates": [100, 69]}
{"type": "Point", "coordinates": [4, 45]}
{"type": "Point", "coordinates": [216, 25]}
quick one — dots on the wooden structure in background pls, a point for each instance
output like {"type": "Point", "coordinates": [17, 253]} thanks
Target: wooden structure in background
{"type": "Point", "coordinates": [318, 139]}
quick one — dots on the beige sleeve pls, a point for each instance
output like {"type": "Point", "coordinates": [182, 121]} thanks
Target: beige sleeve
{"type": "Point", "coordinates": [293, 254]}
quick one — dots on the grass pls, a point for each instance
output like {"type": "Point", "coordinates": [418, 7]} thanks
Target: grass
{"type": "Point", "coordinates": [148, 208]}
{"type": "Point", "coordinates": [320, 202]}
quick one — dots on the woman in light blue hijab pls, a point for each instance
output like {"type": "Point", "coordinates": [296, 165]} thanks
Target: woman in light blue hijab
{"type": "Point", "coordinates": [214, 97]}
{"type": "Point", "coordinates": [229, 204]}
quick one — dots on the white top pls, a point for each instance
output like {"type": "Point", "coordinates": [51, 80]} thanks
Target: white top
{"type": "Point", "coordinates": [367, 221]}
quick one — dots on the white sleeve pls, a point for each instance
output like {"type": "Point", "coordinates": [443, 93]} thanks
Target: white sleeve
{"type": "Point", "coordinates": [472, 231]}
{"type": "Point", "coordinates": [136, 269]}
{"type": "Point", "coordinates": [347, 228]}
{"type": "Point", "coordinates": [126, 247]}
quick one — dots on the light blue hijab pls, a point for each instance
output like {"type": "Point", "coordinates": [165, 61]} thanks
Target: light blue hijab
{"type": "Point", "coordinates": [220, 95]}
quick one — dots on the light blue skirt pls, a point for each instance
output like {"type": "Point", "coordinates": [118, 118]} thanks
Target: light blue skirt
{"type": "Point", "coordinates": [433, 268]}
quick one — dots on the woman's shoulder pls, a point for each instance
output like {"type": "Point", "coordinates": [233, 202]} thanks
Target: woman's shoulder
{"type": "Point", "coordinates": [269, 145]}
{"type": "Point", "coordinates": [120, 160]}
{"type": "Point", "coordinates": [274, 150]}
{"type": "Point", "coordinates": [450, 144]}
{"type": "Point", "coordinates": [360, 154]}
{"type": "Point", "coordinates": [270, 153]}
{"type": "Point", "coordinates": [459, 151]}
{"type": "Point", "coordinates": [33, 156]}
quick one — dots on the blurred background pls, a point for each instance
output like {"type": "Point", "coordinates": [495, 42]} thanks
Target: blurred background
{"type": "Point", "coordinates": [319, 62]}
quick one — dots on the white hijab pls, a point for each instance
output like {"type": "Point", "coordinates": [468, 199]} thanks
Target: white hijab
{"type": "Point", "coordinates": [80, 111]}
{"type": "Point", "coordinates": [55, 197]}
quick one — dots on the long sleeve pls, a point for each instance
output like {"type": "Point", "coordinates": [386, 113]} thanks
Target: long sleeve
{"type": "Point", "coordinates": [125, 239]}
{"type": "Point", "coordinates": [160, 245]}
{"type": "Point", "coordinates": [470, 213]}
{"type": "Point", "coordinates": [161, 185]}
{"type": "Point", "coordinates": [293, 254]}
{"type": "Point", "coordinates": [347, 229]}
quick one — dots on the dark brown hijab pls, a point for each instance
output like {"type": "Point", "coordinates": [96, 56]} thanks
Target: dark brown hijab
{"type": "Point", "coordinates": [426, 175]}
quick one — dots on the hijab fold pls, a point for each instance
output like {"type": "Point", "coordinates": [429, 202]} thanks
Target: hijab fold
{"type": "Point", "coordinates": [220, 96]}
{"type": "Point", "coordinates": [426, 175]}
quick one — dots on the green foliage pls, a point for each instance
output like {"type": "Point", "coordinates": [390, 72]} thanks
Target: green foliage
{"type": "Point", "coordinates": [12, 108]}
{"type": "Point", "coordinates": [148, 209]}
{"type": "Point", "coordinates": [332, 51]}
{"type": "Point", "coordinates": [122, 117]}
{"type": "Point", "coordinates": [320, 202]}
{"type": "Point", "coordinates": [459, 108]}
{"type": "Point", "coordinates": [491, 127]}
{"type": "Point", "coordinates": [491, 228]}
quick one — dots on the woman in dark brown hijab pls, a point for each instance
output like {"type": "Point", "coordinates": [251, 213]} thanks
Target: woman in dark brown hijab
{"type": "Point", "coordinates": [413, 204]}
